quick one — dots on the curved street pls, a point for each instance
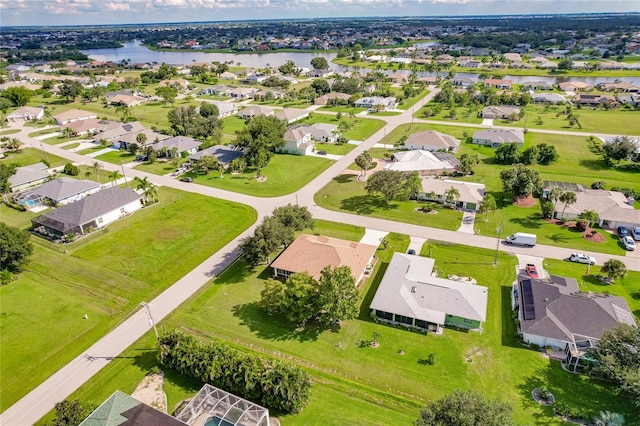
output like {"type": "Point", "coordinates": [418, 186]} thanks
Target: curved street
{"type": "Point", "coordinates": [65, 381]}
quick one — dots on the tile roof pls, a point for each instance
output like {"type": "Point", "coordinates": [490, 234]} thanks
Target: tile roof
{"type": "Point", "coordinates": [500, 135]}
{"type": "Point", "coordinates": [313, 253]}
{"type": "Point", "coordinates": [432, 138]}
{"type": "Point", "coordinates": [418, 160]}
{"type": "Point", "coordinates": [469, 192]}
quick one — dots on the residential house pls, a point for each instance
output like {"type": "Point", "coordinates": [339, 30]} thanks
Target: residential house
{"type": "Point", "coordinates": [73, 115]}
{"type": "Point", "coordinates": [225, 154]}
{"type": "Point", "coordinates": [376, 103]}
{"type": "Point", "coordinates": [178, 145]}
{"type": "Point", "coordinates": [331, 98]}
{"type": "Point", "coordinates": [429, 80]}
{"type": "Point", "coordinates": [90, 126]}
{"type": "Point", "coordinates": [312, 253]}
{"type": "Point", "coordinates": [256, 78]}
{"type": "Point", "coordinates": [513, 57]}
{"type": "Point", "coordinates": [121, 409]}
{"type": "Point", "coordinates": [318, 73]}
{"type": "Point", "coordinates": [497, 137]}
{"type": "Point", "coordinates": [630, 99]}
{"type": "Point", "coordinates": [424, 162]}
{"type": "Point", "coordinates": [621, 86]}
{"type": "Point", "coordinates": [116, 130]}
{"type": "Point", "coordinates": [269, 93]}
{"type": "Point", "coordinates": [470, 63]}
{"type": "Point", "coordinates": [500, 111]}
{"type": "Point", "coordinates": [470, 194]}
{"type": "Point", "coordinates": [574, 86]}
{"type": "Point", "coordinates": [462, 81]}
{"type": "Point", "coordinates": [410, 295]}
{"type": "Point", "coordinates": [213, 406]}
{"type": "Point", "coordinates": [298, 141]}
{"type": "Point", "coordinates": [59, 191]}
{"type": "Point", "coordinates": [547, 65]}
{"type": "Point", "coordinates": [548, 98]}
{"type": "Point", "coordinates": [593, 100]}
{"type": "Point", "coordinates": [254, 110]}
{"type": "Point", "coordinates": [28, 176]}
{"type": "Point", "coordinates": [537, 85]}
{"type": "Point", "coordinates": [323, 132]}
{"type": "Point", "coordinates": [398, 78]}
{"type": "Point", "coordinates": [127, 100]}
{"type": "Point", "coordinates": [225, 109]}
{"type": "Point", "coordinates": [613, 208]}
{"type": "Point", "coordinates": [217, 90]}
{"type": "Point", "coordinates": [498, 83]}
{"type": "Point", "coordinates": [242, 92]}
{"type": "Point", "coordinates": [93, 212]}
{"type": "Point", "coordinates": [430, 140]}
{"type": "Point", "coordinates": [291, 115]}
{"type": "Point", "coordinates": [556, 313]}
{"type": "Point", "coordinates": [125, 140]}
{"type": "Point", "coordinates": [9, 84]}
{"type": "Point", "coordinates": [228, 76]}
{"type": "Point", "coordinates": [26, 113]}
{"type": "Point", "coordinates": [178, 83]}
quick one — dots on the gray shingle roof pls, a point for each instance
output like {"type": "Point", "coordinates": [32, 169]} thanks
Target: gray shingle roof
{"type": "Point", "coordinates": [223, 153]}
{"type": "Point", "coordinates": [64, 187]}
{"type": "Point", "coordinates": [69, 216]}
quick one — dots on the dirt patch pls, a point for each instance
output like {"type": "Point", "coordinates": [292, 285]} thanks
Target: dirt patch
{"type": "Point", "coordinates": [149, 391]}
{"type": "Point", "coordinates": [594, 236]}
{"type": "Point", "coordinates": [472, 353]}
{"type": "Point", "coordinates": [525, 202]}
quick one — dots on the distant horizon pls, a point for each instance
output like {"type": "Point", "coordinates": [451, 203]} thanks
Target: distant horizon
{"type": "Point", "coordinates": [87, 13]}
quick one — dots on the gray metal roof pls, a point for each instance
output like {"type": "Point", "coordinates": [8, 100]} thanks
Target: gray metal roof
{"type": "Point", "coordinates": [409, 289]}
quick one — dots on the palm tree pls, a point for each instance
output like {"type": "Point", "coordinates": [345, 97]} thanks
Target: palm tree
{"type": "Point", "coordinates": [364, 161]}
{"type": "Point", "coordinates": [96, 167]}
{"type": "Point", "coordinates": [567, 198]}
{"type": "Point", "coordinates": [590, 216]}
{"type": "Point", "coordinates": [488, 204]}
{"type": "Point", "coordinates": [113, 177]}
{"type": "Point", "coordinates": [554, 194]}
{"type": "Point", "coordinates": [452, 194]}
{"type": "Point", "coordinates": [149, 191]}
{"type": "Point", "coordinates": [614, 268]}
{"type": "Point", "coordinates": [607, 418]}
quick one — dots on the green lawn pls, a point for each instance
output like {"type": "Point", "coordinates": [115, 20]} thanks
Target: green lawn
{"type": "Point", "coordinates": [27, 156]}
{"type": "Point", "coordinates": [157, 167]}
{"type": "Point", "coordinates": [409, 102]}
{"type": "Point", "coordinates": [592, 120]}
{"type": "Point", "coordinates": [375, 386]}
{"type": "Point", "coordinates": [344, 193]}
{"type": "Point", "coordinates": [116, 157]}
{"type": "Point", "coordinates": [105, 276]}
{"type": "Point", "coordinates": [44, 132]}
{"type": "Point", "coordinates": [336, 149]}
{"type": "Point", "coordinates": [90, 150]}
{"type": "Point", "coordinates": [16, 218]}
{"type": "Point", "coordinates": [361, 128]}
{"type": "Point", "coordinates": [344, 109]}
{"type": "Point", "coordinates": [285, 174]}
{"type": "Point", "coordinates": [230, 125]}
{"type": "Point", "coordinates": [7, 132]}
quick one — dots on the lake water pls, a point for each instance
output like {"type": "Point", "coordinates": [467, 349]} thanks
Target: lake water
{"type": "Point", "coordinates": [135, 52]}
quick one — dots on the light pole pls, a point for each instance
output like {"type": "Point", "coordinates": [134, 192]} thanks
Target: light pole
{"type": "Point", "coordinates": [498, 230]}
{"type": "Point", "coordinates": [151, 321]}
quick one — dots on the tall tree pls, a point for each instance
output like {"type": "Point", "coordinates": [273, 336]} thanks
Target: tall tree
{"type": "Point", "coordinates": [6, 170]}
{"type": "Point", "coordinates": [338, 298]}
{"type": "Point", "coordinates": [488, 205]}
{"type": "Point", "coordinates": [15, 248]}
{"type": "Point", "coordinates": [319, 63]}
{"type": "Point", "coordinates": [297, 298]}
{"type": "Point", "coordinates": [520, 181]}
{"type": "Point", "coordinates": [209, 110]}
{"type": "Point", "coordinates": [96, 168]}
{"type": "Point", "coordinates": [614, 269]}
{"type": "Point", "coordinates": [508, 153]}
{"type": "Point", "coordinates": [262, 136]}
{"type": "Point", "coordinates": [18, 95]}
{"type": "Point", "coordinates": [591, 216]}
{"type": "Point", "coordinates": [70, 413]}
{"type": "Point", "coordinates": [568, 198]}
{"type": "Point", "coordinates": [554, 195]}
{"type": "Point", "coordinates": [451, 195]}
{"type": "Point", "coordinates": [149, 191]}
{"type": "Point", "coordinates": [294, 217]}
{"type": "Point", "coordinates": [466, 408]}
{"type": "Point", "coordinates": [364, 161]}
{"type": "Point", "coordinates": [393, 185]}
{"type": "Point", "coordinates": [71, 89]}
{"type": "Point", "coordinates": [167, 93]}
{"type": "Point", "coordinates": [618, 149]}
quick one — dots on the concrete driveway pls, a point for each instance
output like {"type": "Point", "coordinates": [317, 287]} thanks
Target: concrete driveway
{"type": "Point", "coordinates": [523, 259]}
{"type": "Point", "coordinates": [468, 220]}
{"type": "Point", "coordinates": [373, 237]}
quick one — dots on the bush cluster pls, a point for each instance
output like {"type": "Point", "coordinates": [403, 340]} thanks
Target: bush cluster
{"type": "Point", "coordinates": [268, 382]}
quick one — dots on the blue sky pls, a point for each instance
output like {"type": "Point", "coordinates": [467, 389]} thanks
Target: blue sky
{"type": "Point", "coordinates": [86, 12]}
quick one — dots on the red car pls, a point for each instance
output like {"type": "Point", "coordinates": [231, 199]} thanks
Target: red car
{"type": "Point", "coordinates": [531, 270]}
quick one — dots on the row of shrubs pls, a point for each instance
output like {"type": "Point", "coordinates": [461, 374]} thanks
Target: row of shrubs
{"type": "Point", "coordinates": [265, 381]}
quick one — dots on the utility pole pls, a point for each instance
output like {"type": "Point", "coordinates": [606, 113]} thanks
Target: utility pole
{"type": "Point", "coordinates": [151, 321]}
{"type": "Point", "coordinates": [46, 158]}
{"type": "Point", "coordinates": [123, 174]}
{"type": "Point", "coordinates": [498, 230]}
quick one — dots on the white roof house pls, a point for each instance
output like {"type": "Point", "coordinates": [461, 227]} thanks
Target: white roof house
{"type": "Point", "coordinates": [65, 190]}
{"type": "Point", "coordinates": [26, 113]}
{"type": "Point", "coordinates": [410, 295]}
{"type": "Point", "coordinates": [471, 194]}
{"type": "Point", "coordinates": [496, 137]}
{"type": "Point", "coordinates": [27, 176]}
{"type": "Point", "coordinates": [431, 140]}
{"type": "Point", "coordinates": [374, 102]}
{"type": "Point", "coordinates": [423, 162]}
{"type": "Point", "coordinates": [73, 115]}
{"type": "Point", "coordinates": [291, 115]}
{"type": "Point", "coordinates": [254, 110]}
{"type": "Point", "coordinates": [612, 208]}
{"type": "Point", "coordinates": [180, 143]}
{"type": "Point", "coordinates": [298, 140]}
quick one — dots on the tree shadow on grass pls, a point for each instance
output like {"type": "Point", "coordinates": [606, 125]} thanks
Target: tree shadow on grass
{"type": "Point", "coordinates": [558, 238]}
{"type": "Point", "coordinates": [594, 164]}
{"type": "Point", "coordinates": [635, 296]}
{"type": "Point", "coordinates": [532, 221]}
{"type": "Point", "coordinates": [344, 178]}
{"type": "Point", "coordinates": [371, 291]}
{"type": "Point", "coordinates": [273, 327]}
{"type": "Point", "coordinates": [509, 332]}
{"type": "Point", "coordinates": [236, 272]}
{"type": "Point", "coordinates": [366, 204]}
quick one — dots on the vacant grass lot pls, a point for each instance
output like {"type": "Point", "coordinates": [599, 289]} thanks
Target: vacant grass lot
{"type": "Point", "coordinates": [344, 193]}
{"type": "Point", "coordinates": [44, 132]}
{"type": "Point", "coordinates": [106, 278]}
{"type": "Point", "coordinates": [116, 157]}
{"type": "Point", "coordinates": [381, 385]}
{"type": "Point", "coordinates": [285, 174]}
{"type": "Point", "coordinates": [336, 149]}
{"type": "Point", "coordinates": [361, 128]}
{"type": "Point", "coordinates": [157, 167]}
{"type": "Point", "coordinates": [16, 218]}
{"type": "Point", "coordinates": [28, 156]}
{"type": "Point", "coordinates": [617, 122]}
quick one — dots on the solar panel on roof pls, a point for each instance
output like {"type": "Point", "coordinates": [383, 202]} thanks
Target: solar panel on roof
{"type": "Point", "coordinates": [529, 311]}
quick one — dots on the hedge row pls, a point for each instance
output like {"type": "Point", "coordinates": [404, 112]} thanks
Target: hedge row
{"type": "Point", "coordinates": [268, 382]}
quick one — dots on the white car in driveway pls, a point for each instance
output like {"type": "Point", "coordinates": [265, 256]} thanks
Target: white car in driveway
{"type": "Point", "coordinates": [628, 243]}
{"type": "Point", "coordinates": [582, 258]}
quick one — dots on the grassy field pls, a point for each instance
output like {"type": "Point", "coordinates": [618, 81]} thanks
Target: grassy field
{"type": "Point", "coordinates": [285, 174]}
{"type": "Point", "coordinates": [7, 132]}
{"type": "Point", "coordinates": [116, 157]}
{"type": "Point", "coordinates": [344, 193]}
{"type": "Point", "coordinates": [44, 132]}
{"type": "Point", "coordinates": [383, 385]}
{"type": "Point", "coordinates": [405, 104]}
{"type": "Point", "coordinates": [27, 156]}
{"type": "Point", "coordinates": [157, 167]}
{"type": "Point", "coordinates": [336, 149]}
{"type": "Point", "coordinates": [105, 276]}
{"type": "Point", "coordinates": [16, 218]}
{"type": "Point", "coordinates": [361, 128]}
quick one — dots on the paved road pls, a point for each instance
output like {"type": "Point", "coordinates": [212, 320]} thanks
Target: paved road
{"type": "Point", "coordinates": [59, 386]}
